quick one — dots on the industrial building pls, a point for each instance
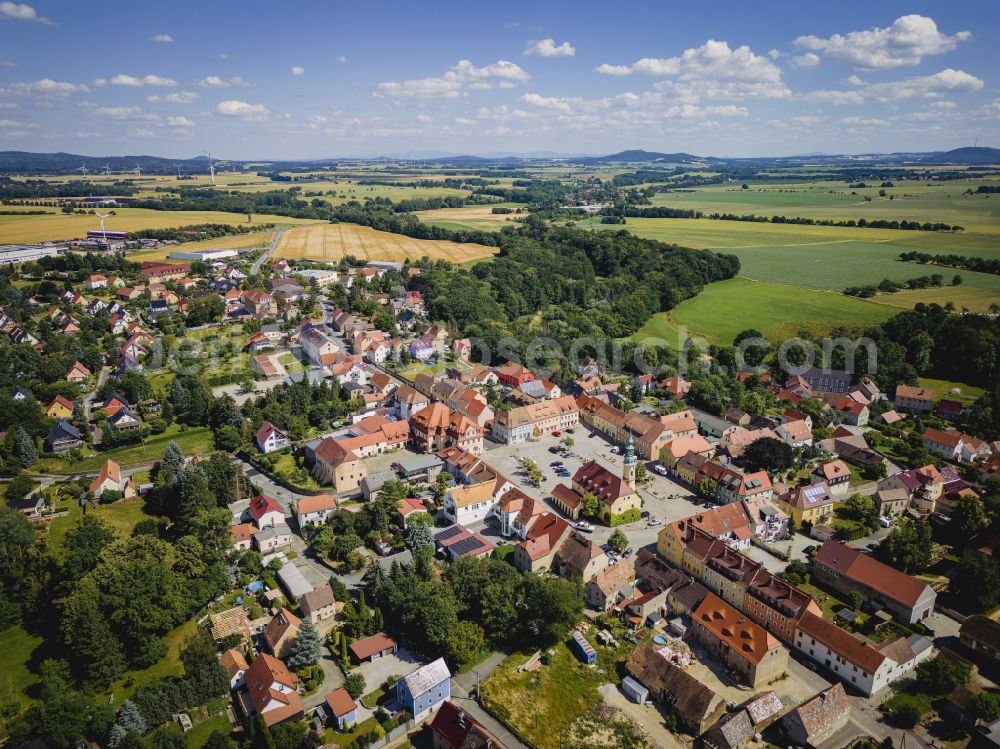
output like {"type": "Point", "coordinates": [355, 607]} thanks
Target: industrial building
{"type": "Point", "coordinates": [20, 253]}
{"type": "Point", "coordinates": [202, 255]}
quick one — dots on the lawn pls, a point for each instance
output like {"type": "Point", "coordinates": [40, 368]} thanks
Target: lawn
{"type": "Point", "coordinates": [16, 649]}
{"type": "Point", "coordinates": [168, 665]}
{"type": "Point", "coordinates": [192, 440]}
{"type": "Point", "coordinates": [284, 468]}
{"type": "Point", "coordinates": [943, 388]}
{"type": "Point", "coordinates": [333, 736]}
{"type": "Point", "coordinates": [724, 309]}
{"type": "Point", "coordinates": [122, 516]}
{"type": "Point", "coordinates": [371, 699]}
{"type": "Point", "coordinates": [198, 735]}
{"type": "Point", "coordinates": [923, 702]}
{"type": "Point", "coordinates": [830, 603]}
{"type": "Point", "coordinates": [59, 226]}
{"type": "Point", "coordinates": [540, 703]}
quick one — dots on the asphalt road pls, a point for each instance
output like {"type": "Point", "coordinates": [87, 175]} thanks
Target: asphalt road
{"type": "Point", "coordinates": [267, 253]}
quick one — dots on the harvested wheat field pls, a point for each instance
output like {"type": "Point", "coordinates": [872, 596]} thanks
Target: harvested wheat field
{"type": "Point", "coordinates": [335, 241]}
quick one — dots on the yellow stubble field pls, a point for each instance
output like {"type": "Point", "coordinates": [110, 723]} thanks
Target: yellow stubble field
{"type": "Point", "coordinates": [331, 242]}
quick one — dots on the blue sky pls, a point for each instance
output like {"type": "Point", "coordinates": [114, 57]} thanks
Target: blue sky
{"type": "Point", "coordinates": [319, 79]}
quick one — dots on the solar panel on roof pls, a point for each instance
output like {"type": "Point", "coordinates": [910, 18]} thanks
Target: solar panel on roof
{"type": "Point", "coordinates": [448, 533]}
{"type": "Point", "coordinates": [467, 546]}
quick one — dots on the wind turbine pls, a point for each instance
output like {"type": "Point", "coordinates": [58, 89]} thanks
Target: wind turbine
{"type": "Point", "coordinates": [82, 168]}
{"type": "Point", "coordinates": [211, 166]}
{"type": "Point", "coordinates": [178, 170]}
{"type": "Point", "coordinates": [138, 169]}
{"type": "Point", "coordinates": [107, 169]}
{"type": "Point", "coordinates": [102, 217]}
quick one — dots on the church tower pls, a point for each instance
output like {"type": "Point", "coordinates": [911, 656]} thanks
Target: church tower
{"type": "Point", "coordinates": [628, 472]}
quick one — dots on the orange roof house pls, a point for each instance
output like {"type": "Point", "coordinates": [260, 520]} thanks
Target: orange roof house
{"type": "Point", "coordinates": [77, 373]}
{"type": "Point", "coordinates": [748, 650]}
{"type": "Point", "coordinates": [272, 690]}
{"type": "Point", "coordinates": [59, 408]}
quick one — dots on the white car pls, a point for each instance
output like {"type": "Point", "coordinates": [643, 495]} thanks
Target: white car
{"type": "Point", "coordinates": [654, 521]}
{"type": "Point", "coordinates": [660, 469]}
{"type": "Point", "coordinates": [584, 526]}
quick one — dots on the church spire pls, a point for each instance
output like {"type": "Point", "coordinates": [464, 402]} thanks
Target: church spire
{"type": "Point", "coordinates": [629, 463]}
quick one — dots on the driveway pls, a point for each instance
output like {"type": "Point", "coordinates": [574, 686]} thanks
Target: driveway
{"type": "Point", "coordinates": [333, 678]}
{"type": "Point", "coordinates": [648, 716]}
{"type": "Point", "coordinates": [403, 663]}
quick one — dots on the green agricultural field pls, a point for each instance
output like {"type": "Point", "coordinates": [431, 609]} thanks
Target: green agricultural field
{"type": "Point", "coordinates": [833, 258]}
{"type": "Point", "coordinates": [836, 257]}
{"type": "Point", "coordinates": [724, 309]}
{"type": "Point", "coordinates": [912, 200]}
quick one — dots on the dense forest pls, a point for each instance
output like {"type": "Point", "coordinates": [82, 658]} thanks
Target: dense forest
{"type": "Point", "coordinates": [565, 283]}
{"type": "Point", "coordinates": [11, 189]}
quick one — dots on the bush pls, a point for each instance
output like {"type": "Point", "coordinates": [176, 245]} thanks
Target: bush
{"type": "Point", "coordinates": [629, 516]}
{"type": "Point", "coordinates": [354, 683]}
{"type": "Point", "coordinates": [908, 716]}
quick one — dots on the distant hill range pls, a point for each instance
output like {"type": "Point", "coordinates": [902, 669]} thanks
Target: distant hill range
{"type": "Point", "coordinates": [27, 163]}
{"type": "Point", "coordinates": [644, 157]}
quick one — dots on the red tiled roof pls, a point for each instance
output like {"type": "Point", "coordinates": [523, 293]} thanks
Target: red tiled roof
{"type": "Point", "coordinates": [844, 644]}
{"type": "Point", "coordinates": [367, 647]}
{"type": "Point", "coordinates": [263, 504]}
{"type": "Point", "coordinates": [316, 503]}
{"type": "Point", "coordinates": [341, 703]}
{"type": "Point", "coordinates": [260, 677]}
{"type": "Point", "coordinates": [749, 640]}
{"type": "Point", "coordinates": [854, 565]}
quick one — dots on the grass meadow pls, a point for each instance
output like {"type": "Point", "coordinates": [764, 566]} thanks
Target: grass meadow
{"type": "Point", "coordinates": [724, 309]}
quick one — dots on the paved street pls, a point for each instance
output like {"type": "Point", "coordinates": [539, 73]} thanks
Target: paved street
{"type": "Point", "coordinates": [462, 686]}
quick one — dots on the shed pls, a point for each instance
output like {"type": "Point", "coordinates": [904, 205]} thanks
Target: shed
{"type": "Point", "coordinates": [584, 650]}
{"type": "Point", "coordinates": [635, 691]}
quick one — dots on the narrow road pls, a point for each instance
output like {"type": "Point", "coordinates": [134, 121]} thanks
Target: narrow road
{"type": "Point", "coordinates": [463, 684]}
{"type": "Point", "coordinates": [267, 253]}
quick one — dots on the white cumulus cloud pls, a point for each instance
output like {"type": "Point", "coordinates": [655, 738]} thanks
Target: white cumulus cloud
{"type": "Point", "coordinates": [906, 42]}
{"type": "Point", "coordinates": [21, 12]}
{"type": "Point", "coordinates": [455, 81]}
{"type": "Point", "coordinates": [712, 60]}
{"type": "Point", "coordinates": [148, 80]}
{"type": "Point", "coordinates": [549, 48]}
{"type": "Point", "coordinates": [298, 71]}
{"type": "Point", "coordinates": [938, 84]}
{"type": "Point", "coordinates": [177, 97]}
{"type": "Point", "coordinates": [214, 81]}
{"type": "Point", "coordinates": [242, 109]}
{"type": "Point", "coordinates": [179, 122]}
{"type": "Point", "coordinates": [45, 87]}
{"type": "Point", "coordinates": [808, 60]}
{"type": "Point", "coordinates": [162, 38]}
